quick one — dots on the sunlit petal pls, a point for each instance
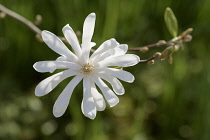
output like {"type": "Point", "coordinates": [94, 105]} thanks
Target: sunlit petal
{"type": "Point", "coordinates": [51, 66]}
{"type": "Point", "coordinates": [62, 102]}
{"type": "Point", "coordinates": [98, 98]}
{"type": "Point", "coordinates": [126, 60]}
{"type": "Point", "coordinates": [88, 29]}
{"type": "Point", "coordinates": [120, 74]}
{"type": "Point", "coordinates": [109, 95]}
{"type": "Point", "coordinates": [88, 105]}
{"type": "Point", "coordinates": [72, 39]}
{"type": "Point", "coordinates": [109, 44]}
{"type": "Point", "coordinates": [115, 83]}
{"type": "Point", "coordinates": [48, 84]}
{"type": "Point", "coordinates": [117, 51]}
{"type": "Point", "coordinates": [57, 45]}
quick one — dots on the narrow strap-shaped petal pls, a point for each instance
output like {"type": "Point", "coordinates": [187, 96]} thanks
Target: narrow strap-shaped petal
{"type": "Point", "coordinates": [122, 61]}
{"type": "Point", "coordinates": [117, 51]}
{"type": "Point", "coordinates": [98, 98]}
{"type": "Point", "coordinates": [120, 74]}
{"type": "Point", "coordinates": [115, 83]}
{"type": "Point", "coordinates": [72, 39]}
{"type": "Point", "coordinates": [88, 105]}
{"type": "Point", "coordinates": [48, 84]}
{"type": "Point", "coordinates": [51, 66]}
{"type": "Point", "coordinates": [62, 102]}
{"type": "Point", "coordinates": [57, 45]}
{"type": "Point", "coordinates": [109, 44]}
{"type": "Point", "coordinates": [109, 95]}
{"type": "Point", "coordinates": [88, 29]}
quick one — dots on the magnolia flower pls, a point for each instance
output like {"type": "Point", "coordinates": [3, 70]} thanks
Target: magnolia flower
{"type": "Point", "coordinates": [93, 70]}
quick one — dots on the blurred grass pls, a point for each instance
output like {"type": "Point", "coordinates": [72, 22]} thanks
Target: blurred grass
{"type": "Point", "coordinates": [166, 102]}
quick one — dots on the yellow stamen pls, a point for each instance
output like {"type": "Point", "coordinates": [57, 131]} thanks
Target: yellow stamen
{"type": "Point", "coordinates": [87, 69]}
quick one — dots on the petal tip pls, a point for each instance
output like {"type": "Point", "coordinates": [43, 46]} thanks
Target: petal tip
{"type": "Point", "coordinates": [38, 94]}
{"type": "Point", "coordinates": [57, 113]}
{"type": "Point", "coordinates": [34, 66]}
{"type": "Point", "coordinates": [132, 80]}
{"type": "Point", "coordinates": [92, 117]}
{"type": "Point", "coordinates": [138, 58]}
{"type": "Point", "coordinates": [115, 102]}
{"type": "Point", "coordinates": [44, 32]}
{"type": "Point", "coordinates": [121, 93]}
{"type": "Point", "coordinates": [92, 14]}
{"type": "Point", "coordinates": [66, 27]}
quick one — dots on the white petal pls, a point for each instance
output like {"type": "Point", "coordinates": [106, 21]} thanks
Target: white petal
{"type": "Point", "coordinates": [61, 58]}
{"type": "Point", "coordinates": [88, 28]}
{"type": "Point", "coordinates": [48, 84]}
{"type": "Point", "coordinates": [115, 83]}
{"type": "Point", "coordinates": [117, 51]}
{"type": "Point", "coordinates": [88, 106]}
{"type": "Point", "coordinates": [51, 66]}
{"type": "Point", "coordinates": [92, 44]}
{"type": "Point", "coordinates": [120, 50]}
{"type": "Point", "coordinates": [122, 60]}
{"type": "Point", "coordinates": [120, 74]}
{"type": "Point", "coordinates": [62, 102]}
{"type": "Point", "coordinates": [111, 98]}
{"type": "Point", "coordinates": [98, 98]}
{"type": "Point", "coordinates": [72, 39]}
{"type": "Point", "coordinates": [109, 44]}
{"type": "Point", "coordinates": [57, 45]}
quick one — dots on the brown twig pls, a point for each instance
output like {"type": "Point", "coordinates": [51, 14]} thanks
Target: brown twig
{"type": "Point", "coordinates": [25, 21]}
{"type": "Point", "coordinates": [35, 29]}
{"type": "Point", "coordinates": [20, 18]}
{"type": "Point", "coordinates": [183, 37]}
{"type": "Point", "coordinates": [147, 60]}
{"type": "Point", "coordinates": [158, 44]}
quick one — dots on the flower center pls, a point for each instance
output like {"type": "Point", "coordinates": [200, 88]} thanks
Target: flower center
{"type": "Point", "coordinates": [87, 69]}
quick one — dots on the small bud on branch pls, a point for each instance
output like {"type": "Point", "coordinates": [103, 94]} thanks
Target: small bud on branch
{"type": "Point", "coordinates": [172, 45]}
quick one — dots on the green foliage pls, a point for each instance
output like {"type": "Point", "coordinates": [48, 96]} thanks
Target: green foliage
{"type": "Point", "coordinates": [171, 22]}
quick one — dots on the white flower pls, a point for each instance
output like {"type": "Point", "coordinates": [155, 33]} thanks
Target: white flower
{"type": "Point", "coordinates": [91, 69]}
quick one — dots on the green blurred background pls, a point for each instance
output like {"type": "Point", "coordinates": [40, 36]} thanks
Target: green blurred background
{"type": "Point", "coordinates": [166, 102]}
